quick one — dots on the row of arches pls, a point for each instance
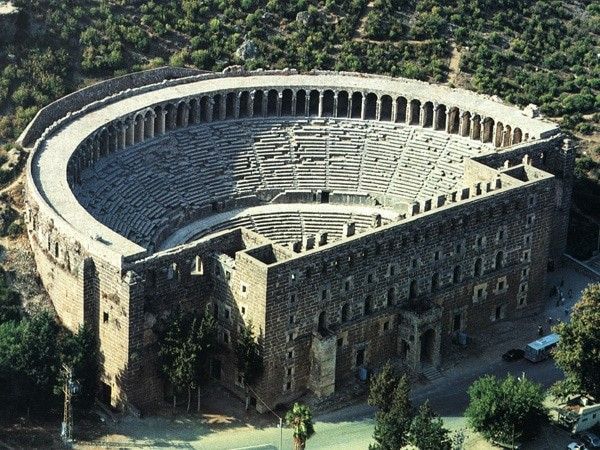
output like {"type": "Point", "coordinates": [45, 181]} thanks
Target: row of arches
{"type": "Point", "coordinates": [160, 119]}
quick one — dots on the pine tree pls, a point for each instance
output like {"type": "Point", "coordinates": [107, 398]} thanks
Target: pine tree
{"type": "Point", "coordinates": [427, 430]}
{"type": "Point", "coordinates": [393, 418]}
{"type": "Point", "coordinates": [249, 359]}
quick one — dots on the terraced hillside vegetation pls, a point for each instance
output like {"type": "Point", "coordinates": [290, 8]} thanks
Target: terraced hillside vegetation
{"type": "Point", "coordinates": [545, 52]}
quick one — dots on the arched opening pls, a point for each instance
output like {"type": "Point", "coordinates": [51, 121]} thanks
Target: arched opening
{"type": "Point", "coordinates": [427, 114]}
{"type": "Point", "coordinates": [193, 111]}
{"type": "Point", "coordinates": [400, 110]}
{"type": "Point", "coordinates": [427, 346]}
{"type": "Point", "coordinates": [322, 325]}
{"type": "Point", "coordinates": [230, 105]}
{"type": "Point", "coordinates": [342, 104]}
{"type": "Point", "coordinates": [368, 305]}
{"type": "Point", "coordinates": [385, 112]}
{"type": "Point", "coordinates": [148, 124]}
{"type": "Point", "coordinates": [272, 102]}
{"type": "Point", "coordinates": [517, 136]}
{"type": "Point", "coordinates": [182, 111]}
{"type": "Point", "coordinates": [499, 259]}
{"type": "Point", "coordinates": [371, 106]}
{"type": "Point", "coordinates": [477, 270]}
{"type": "Point", "coordinates": [286, 102]}
{"type": "Point", "coordinates": [391, 296]}
{"type": "Point", "coordinates": [344, 314]}
{"type": "Point", "coordinates": [356, 105]}
{"type": "Point", "coordinates": [257, 105]}
{"type": "Point", "coordinates": [456, 274]}
{"type": "Point", "coordinates": [476, 127]}
{"type": "Point", "coordinates": [244, 98]}
{"type": "Point", "coordinates": [216, 113]}
{"type": "Point", "coordinates": [415, 112]}
{"type": "Point", "coordinates": [435, 282]}
{"type": "Point", "coordinates": [499, 134]}
{"type": "Point", "coordinates": [465, 124]}
{"type": "Point", "coordinates": [301, 103]}
{"type": "Point", "coordinates": [313, 103]}
{"type": "Point", "coordinates": [204, 109]}
{"type": "Point", "coordinates": [488, 130]}
{"type": "Point", "coordinates": [158, 118]}
{"type": "Point", "coordinates": [413, 290]}
{"type": "Point", "coordinates": [453, 120]}
{"type": "Point", "coordinates": [507, 136]}
{"type": "Point", "coordinates": [440, 123]}
{"type": "Point", "coordinates": [327, 109]}
{"type": "Point", "coordinates": [171, 117]}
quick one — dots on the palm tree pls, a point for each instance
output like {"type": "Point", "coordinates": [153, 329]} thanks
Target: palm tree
{"type": "Point", "coordinates": [299, 418]}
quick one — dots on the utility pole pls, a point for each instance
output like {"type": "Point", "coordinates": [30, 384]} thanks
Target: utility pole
{"type": "Point", "coordinates": [67, 424]}
{"type": "Point", "coordinates": [70, 389]}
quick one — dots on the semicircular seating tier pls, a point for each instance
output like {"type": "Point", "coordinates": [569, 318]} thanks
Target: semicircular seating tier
{"type": "Point", "coordinates": [142, 190]}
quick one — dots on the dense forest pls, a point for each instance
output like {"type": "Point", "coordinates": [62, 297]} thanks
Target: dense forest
{"type": "Point", "coordinates": [545, 52]}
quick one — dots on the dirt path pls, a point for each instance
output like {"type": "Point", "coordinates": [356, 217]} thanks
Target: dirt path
{"type": "Point", "coordinates": [453, 65]}
{"type": "Point", "coordinates": [358, 33]}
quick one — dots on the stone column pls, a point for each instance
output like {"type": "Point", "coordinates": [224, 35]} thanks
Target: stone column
{"type": "Point", "coordinates": [422, 116]}
{"type": "Point", "coordinates": [335, 104]}
{"type": "Point", "coordinates": [349, 112]}
{"type": "Point", "coordinates": [149, 125]}
{"type": "Point", "coordinates": [196, 112]}
{"type": "Point", "coordinates": [236, 106]}
{"type": "Point", "coordinates": [121, 133]}
{"type": "Point", "coordinates": [279, 102]}
{"type": "Point", "coordinates": [363, 107]}
{"type": "Point", "coordinates": [129, 140]}
{"type": "Point", "coordinates": [223, 108]}
{"type": "Point", "coordinates": [265, 101]}
{"type": "Point", "coordinates": [186, 116]}
{"type": "Point", "coordinates": [251, 104]}
{"type": "Point", "coordinates": [140, 128]}
{"type": "Point", "coordinates": [463, 128]}
{"type": "Point", "coordinates": [211, 107]}
{"type": "Point", "coordinates": [321, 95]}
{"type": "Point", "coordinates": [294, 94]}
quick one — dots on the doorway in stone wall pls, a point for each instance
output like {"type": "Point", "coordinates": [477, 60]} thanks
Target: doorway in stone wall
{"type": "Point", "coordinates": [427, 343]}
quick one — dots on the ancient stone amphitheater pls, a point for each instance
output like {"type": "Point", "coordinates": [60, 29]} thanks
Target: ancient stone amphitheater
{"type": "Point", "coordinates": [351, 218]}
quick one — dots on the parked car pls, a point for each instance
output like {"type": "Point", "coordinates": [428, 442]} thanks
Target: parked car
{"type": "Point", "coordinates": [513, 354]}
{"type": "Point", "coordinates": [589, 439]}
{"type": "Point", "coordinates": [576, 446]}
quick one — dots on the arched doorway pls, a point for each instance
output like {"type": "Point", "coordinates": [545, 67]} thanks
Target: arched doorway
{"type": "Point", "coordinates": [427, 346]}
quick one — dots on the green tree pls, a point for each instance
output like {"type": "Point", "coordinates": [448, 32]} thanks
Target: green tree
{"type": "Point", "coordinates": [80, 352]}
{"type": "Point", "coordinates": [185, 345]}
{"type": "Point", "coordinates": [427, 430]}
{"type": "Point", "coordinates": [249, 358]}
{"type": "Point", "coordinates": [505, 411]}
{"type": "Point", "coordinates": [577, 350]}
{"type": "Point", "coordinates": [394, 415]}
{"type": "Point", "coordinates": [299, 419]}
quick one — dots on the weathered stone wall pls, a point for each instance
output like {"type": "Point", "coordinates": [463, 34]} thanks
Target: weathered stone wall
{"type": "Point", "coordinates": [516, 222]}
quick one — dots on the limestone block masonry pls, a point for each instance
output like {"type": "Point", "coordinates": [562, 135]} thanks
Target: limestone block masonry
{"type": "Point", "coordinates": [351, 218]}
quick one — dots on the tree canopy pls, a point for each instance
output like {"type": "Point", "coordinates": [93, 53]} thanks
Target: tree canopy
{"type": "Point", "coordinates": [299, 418]}
{"type": "Point", "coordinates": [578, 350]}
{"type": "Point", "coordinates": [505, 411]}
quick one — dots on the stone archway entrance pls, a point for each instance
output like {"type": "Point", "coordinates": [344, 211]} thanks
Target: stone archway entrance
{"type": "Point", "coordinates": [427, 346]}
